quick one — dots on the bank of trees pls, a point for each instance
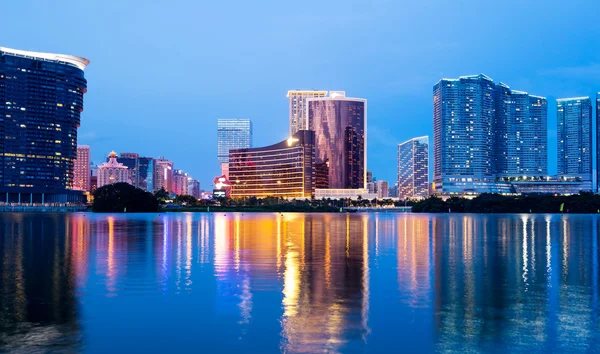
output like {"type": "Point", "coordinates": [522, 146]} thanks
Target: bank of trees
{"type": "Point", "coordinates": [583, 203]}
{"type": "Point", "coordinates": [123, 197]}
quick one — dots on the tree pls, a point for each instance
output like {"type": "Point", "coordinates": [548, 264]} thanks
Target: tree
{"type": "Point", "coordinates": [186, 199]}
{"type": "Point", "coordinates": [161, 195]}
{"type": "Point", "coordinates": [123, 197]}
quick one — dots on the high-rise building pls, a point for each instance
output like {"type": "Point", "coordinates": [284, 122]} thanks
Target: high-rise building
{"type": "Point", "coordinates": [298, 108]}
{"type": "Point", "coordinates": [81, 170]}
{"type": "Point", "coordinates": [163, 174]}
{"type": "Point", "coordinates": [146, 173]}
{"type": "Point", "coordinates": [130, 159]}
{"type": "Point", "coordinates": [180, 182]}
{"type": "Point", "coordinates": [113, 172]}
{"type": "Point", "coordinates": [598, 142]}
{"type": "Point", "coordinates": [194, 188]}
{"type": "Point", "coordinates": [41, 100]}
{"type": "Point", "coordinates": [281, 170]}
{"type": "Point", "coordinates": [382, 189]}
{"type": "Point", "coordinates": [520, 133]}
{"type": "Point", "coordinates": [413, 168]}
{"type": "Point", "coordinates": [232, 134]}
{"type": "Point", "coordinates": [339, 124]}
{"type": "Point", "coordinates": [484, 131]}
{"type": "Point", "coordinates": [574, 133]}
{"type": "Point", "coordinates": [369, 176]}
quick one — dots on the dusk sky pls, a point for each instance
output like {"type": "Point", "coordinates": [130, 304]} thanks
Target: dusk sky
{"type": "Point", "coordinates": [162, 72]}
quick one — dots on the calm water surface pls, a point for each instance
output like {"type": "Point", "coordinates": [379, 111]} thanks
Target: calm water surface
{"type": "Point", "coordinates": [298, 283]}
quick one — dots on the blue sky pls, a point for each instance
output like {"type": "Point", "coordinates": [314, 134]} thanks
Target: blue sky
{"type": "Point", "coordinates": [162, 72]}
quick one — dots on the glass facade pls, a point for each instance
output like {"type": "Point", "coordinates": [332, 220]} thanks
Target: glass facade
{"type": "Point", "coordinates": [130, 160]}
{"type": "Point", "coordinates": [146, 174]}
{"type": "Point", "coordinates": [232, 134]}
{"type": "Point", "coordinates": [281, 170]}
{"type": "Point", "coordinates": [413, 168]}
{"type": "Point", "coordinates": [163, 175]}
{"type": "Point", "coordinates": [298, 110]}
{"type": "Point", "coordinates": [483, 130]}
{"type": "Point", "coordinates": [41, 100]}
{"type": "Point", "coordinates": [574, 133]}
{"type": "Point", "coordinates": [339, 124]}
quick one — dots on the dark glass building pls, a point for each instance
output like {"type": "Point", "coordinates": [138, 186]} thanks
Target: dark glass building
{"type": "Point", "coordinates": [339, 124]}
{"type": "Point", "coordinates": [41, 100]}
{"type": "Point", "coordinates": [574, 133]}
{"type": "Point", "coordinates": [281, 170]}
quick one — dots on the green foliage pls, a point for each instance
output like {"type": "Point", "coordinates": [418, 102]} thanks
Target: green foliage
{"type": "Point", "coordinates": [161, 195]}
{"type": "Point", "coordinates": [584, 202]}
{"type": "Point", "coordinates": [121, 197]}
{"type": "Point", "coordinates": [185, 200]}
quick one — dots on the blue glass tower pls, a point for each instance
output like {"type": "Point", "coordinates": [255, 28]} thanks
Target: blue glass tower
{"type": "Point", "coordinates": [41, 100]}
{"type": "Point", "coordinates": [574, 133]}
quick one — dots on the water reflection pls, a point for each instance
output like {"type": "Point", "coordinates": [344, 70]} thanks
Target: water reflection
{"type": "Point", "coordinates": [299, 282]}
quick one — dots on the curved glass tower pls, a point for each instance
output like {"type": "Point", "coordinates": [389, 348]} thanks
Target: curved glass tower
{"type": "Point", "coordinates": [41, 100]}
{"type": "Point", "coordinates": [339, 124]}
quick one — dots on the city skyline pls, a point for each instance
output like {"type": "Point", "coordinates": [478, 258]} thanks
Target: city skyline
{"type": "Point", "coordinates": [396, 80]}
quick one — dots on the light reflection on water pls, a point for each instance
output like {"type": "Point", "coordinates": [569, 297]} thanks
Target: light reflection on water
{"type": "Point", "coordinates": [298, 283]}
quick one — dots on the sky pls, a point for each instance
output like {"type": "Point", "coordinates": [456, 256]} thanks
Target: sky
{"type": "Point", "coordinates": [162, 72]}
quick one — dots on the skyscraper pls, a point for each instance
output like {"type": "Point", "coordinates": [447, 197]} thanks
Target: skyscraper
{"type": "Point", "coordinates": [81, 170]}
{"type": "Point", "coordinates": [233, 134]}
{"type": "Point", "coordinates": [484, 131]}
{"type": "Point", "coordinates": [163, 174]}
{"type": "Point", "coordinates": [340, 130]}
{"type": "Point", "coordinates": [131, 160]}
{"type": "Point", "coordinates": [41, 100]}
{"type": "Point", "coordinates": [112, 172]}
{"type": "Point", "coordinates": [180, 183]}
{"type": "Point", "coordinates": [194, 188]}
{"type": "Point", "coordinates": [520, 133]}
{"type": "Point", "coordinates": [574, 133]}
{"type": "Point", "coordinates": [413, 168]}
{"type": "Point", "coordinates": [146, 173]}
{"type": "Point", "coordinates": [298, 110]}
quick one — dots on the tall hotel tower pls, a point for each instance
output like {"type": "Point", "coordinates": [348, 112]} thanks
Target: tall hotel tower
{"type": "Point", "coordinates": [82, 171]}
{"type": "Point", "coordinates": [484, 131]}
{"type": "Point", "coordinates": [574, 133]}
{"type": "Point", "coordinates": [298, 110]}
{"type": "Point", "coordinates": [340, 126]}
{"type": "Point", "coordinates": [41, 100]}
{"type": "Point", "coordinates": [413, 168]}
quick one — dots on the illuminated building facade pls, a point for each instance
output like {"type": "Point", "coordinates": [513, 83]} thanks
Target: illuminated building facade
{"type": "Point", "coordinates": [145, 173]}
{"type": "Point", "coordinates": [339, 124]}
{"type": "Point", "coordinates": [413, 168]}
{"type": "Point", "coordinates": [574, 133]}
{"type": "Point", "coordinates": [163, 175]}
{"type": "Point", "coordinates": [81, 169]}
{"type": "Point", "coordinates": [281, 170]}
{"type": "Point", "coordinates": [130, 159]}
{"type": "Point", "coordinates": [180, 183]}
{"type": "Point", "coordinates": [112, 172]}
{"type": "Point", "coordinates": [484, 131]}
{"type": "Point", "coordinates": [232, 134]}
{"type": "Point", "coordinates": [298, 108]}
{"type": "Point", "coordinates": [41, 100]}
{"type": "Point", "coordinates": [382, 189]}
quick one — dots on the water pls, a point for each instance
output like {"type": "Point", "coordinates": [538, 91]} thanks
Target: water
{"type": "Point", "coordinates": [298, 283]}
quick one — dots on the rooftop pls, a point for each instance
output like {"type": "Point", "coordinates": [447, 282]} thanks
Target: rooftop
{"type": "Point", "coordinates": [78, 62]}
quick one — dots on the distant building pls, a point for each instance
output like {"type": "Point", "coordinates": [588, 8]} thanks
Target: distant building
{"type": "Point", "coordinates": [382, 189]}
{"type": "Point", "coordinates": [81, 170]}
{"type": "Point", "coordinates": [41, 101]}
{"type": "Point", "coordinates": [339, 123]}
{"type": "Point", "coordinates": [112, 172]}
{"type": "Point", "coordinates": [298, 110]}
{"type": "Point", "coordinates": [232, 134]}
{"type": "Point", "coordinates": [413, 168]}
{"type": "Point", "coordinates": [180, 183]}
{"type": "Point", "coordinates": [163, 175]}
{"type": "Point", "coordinates": [393, 192]}
{"type": "Point", "coordinates": [131, 160]}
{"type": "Point", "coordinates": [369, 176]}
{"type": "Point", "coordinates": [194, 188]}
{"type": "Point", "coordinates": [371, 187]}
{"type": "Point", "coordinates": [93, 183]}
{"type": "Point", "coordinates": [574, 133]}
{"type": "Point", "coordinates": [281, 170]}
{"type": "Point", "coordinates": [145, 173]}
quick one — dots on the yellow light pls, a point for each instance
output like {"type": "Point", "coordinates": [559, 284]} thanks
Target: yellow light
{"type": "Point", "coordinates": [291, 140]}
